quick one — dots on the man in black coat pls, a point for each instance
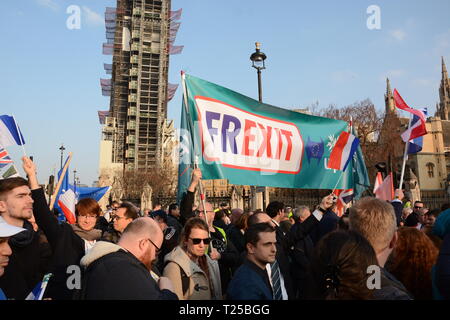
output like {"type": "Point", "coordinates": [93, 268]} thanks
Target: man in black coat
{"type": "Point", "coordinates": [301, 253]}
{"type": "Point", "coordinates": [171, 236]}
{"type": "Point", "coordinates": [123, 271]}
{"type": "Point", "coordinates": [30, 259]}
{"type": "Point", "coordinates": [173, 217]}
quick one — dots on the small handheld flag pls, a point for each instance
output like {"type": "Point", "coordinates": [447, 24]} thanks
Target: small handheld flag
{"type": "Point", "coordinates": [9, 132]}
{"type": "Point", "coordinates": [384, 189]}
{"type": "Point", "coordinates": [418, 127]}
{"type": "Point", "coordinates": [344, 197]}
{"type": "Point", "coordinates": [39, 290]}
{"type": "Point", "coordinates": [5, 159]}
{"type": "Point", "coordinates": [343, 151]}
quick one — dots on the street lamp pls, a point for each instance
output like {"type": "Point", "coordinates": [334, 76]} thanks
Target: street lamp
{"type": "Point", "coordinates": [258, 63]}
{"type": "Point", "coordinates": [75, 178]}
{"type": "Point", "coordinates": [62, 153]}
{"type": "Point", "coordinates": [258, 58]}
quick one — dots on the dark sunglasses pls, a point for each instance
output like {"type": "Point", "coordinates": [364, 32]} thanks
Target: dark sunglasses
{"type": "Point", "coordinates": [416, 207]}
{"type": "Point", "coordinates": [198, 240]}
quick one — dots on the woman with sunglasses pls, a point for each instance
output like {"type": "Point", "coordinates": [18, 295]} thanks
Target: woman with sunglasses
{"type": "Point", "coordinates": [195, 276]}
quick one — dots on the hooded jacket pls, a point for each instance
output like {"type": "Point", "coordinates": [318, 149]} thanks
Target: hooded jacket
{"type": "Point", "coordinates": [112, 273]}
{"type": "Point", "coordinates": [27, 264]}
{"type": "Point", "coordinates": [199, 286]}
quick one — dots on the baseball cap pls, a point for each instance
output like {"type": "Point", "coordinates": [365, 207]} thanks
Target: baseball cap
{"type": "Point", "coordinates": [7, 230]}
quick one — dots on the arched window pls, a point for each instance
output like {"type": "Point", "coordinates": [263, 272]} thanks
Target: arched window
{"type": "Point", "coordinates": [430, 167]}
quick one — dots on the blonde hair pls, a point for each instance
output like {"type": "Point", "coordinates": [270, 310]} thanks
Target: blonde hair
{"type": "Point", "coordinates": [375, 220]}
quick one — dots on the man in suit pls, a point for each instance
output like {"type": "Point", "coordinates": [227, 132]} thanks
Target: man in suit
{"type": "Point", "coordinates": [285, 241]}
{"type": "Point", "coordinates": [251, 280]}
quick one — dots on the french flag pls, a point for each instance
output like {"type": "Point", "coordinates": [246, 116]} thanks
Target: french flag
{"type": "Point", "coordinates": [416, 129]}
{"type": "Point", "coordinates": [9, 132]}
{"type": "Point", "coordinates": [343, 151]}
{"type": "Point", "coordinates": [66, 198]}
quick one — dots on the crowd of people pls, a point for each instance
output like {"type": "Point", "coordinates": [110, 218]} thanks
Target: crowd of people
{"type": "Point", "coordinates": [376, 251]}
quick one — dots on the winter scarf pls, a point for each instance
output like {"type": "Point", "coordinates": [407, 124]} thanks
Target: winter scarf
{"type": "Point", "coordinates": [90, 235]}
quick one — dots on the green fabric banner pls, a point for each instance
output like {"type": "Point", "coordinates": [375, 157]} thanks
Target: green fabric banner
{"type": "Point", "coordinates": [251, 143]}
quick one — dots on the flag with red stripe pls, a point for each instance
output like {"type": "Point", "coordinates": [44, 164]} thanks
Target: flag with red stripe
{"type": "Point", "coordinates": [4, 158]}
{"type": "Point", "coordinates": [67, 202]}
{"type": "Point", "coordinates": [418, 128]}
{"type": "Point", "coordinates": [343, 151]}
{"type": "Point", "coordinates": [66, 198]}
{"type": "Point", "coordinates": [384, 189]}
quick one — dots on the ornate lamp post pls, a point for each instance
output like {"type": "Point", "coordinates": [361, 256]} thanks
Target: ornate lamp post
{"type": "Point", "coordinates": [62, 154]}
{"type": "Point", "coordinates": [258, 63]}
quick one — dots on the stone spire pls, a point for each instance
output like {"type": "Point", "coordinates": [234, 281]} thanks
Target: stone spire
{"type": "Point", "coordinates": [444, 70]}
{"type": "Point", "coordinates": [389, 98]}
{"type": "Point", "coordinates": [444, 94]}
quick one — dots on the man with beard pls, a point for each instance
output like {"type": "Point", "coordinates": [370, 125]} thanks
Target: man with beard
{"type": "Point", "coordinates": [29, 261]}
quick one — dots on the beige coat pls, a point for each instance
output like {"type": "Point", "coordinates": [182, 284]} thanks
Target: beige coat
{"type": "Point", "coordinates": [199, 286]}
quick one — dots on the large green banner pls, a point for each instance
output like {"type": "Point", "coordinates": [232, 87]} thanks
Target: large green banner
{"type": "Point", "coordinates": [251, 143]}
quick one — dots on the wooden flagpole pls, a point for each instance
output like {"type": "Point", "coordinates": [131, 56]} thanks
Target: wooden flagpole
{"type": "Point", "coordinates": [60, 180]}
{"type": "Point", "coordinates": [200, 185]}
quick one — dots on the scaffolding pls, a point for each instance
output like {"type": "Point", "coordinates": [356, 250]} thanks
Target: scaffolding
{"type": "Point", "coordinates": [140, 35]}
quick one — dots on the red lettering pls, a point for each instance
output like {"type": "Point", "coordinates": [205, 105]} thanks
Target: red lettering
{"type": "Point", "coordinates": [265, 145]}
{"type": "Point", "coordinates": [288, 136]}
{"type": "Point", "coordinates": [280, 144]}
{"type": "Point", "coordinates": [248, 137]}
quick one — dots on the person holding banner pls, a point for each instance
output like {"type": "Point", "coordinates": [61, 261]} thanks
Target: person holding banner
{"type": "Point", "coordinates": [68, 244]}
{"type": "Point", "coordinates": [221, 249]}
{"type": "Point", "coordinates": [29, 260]}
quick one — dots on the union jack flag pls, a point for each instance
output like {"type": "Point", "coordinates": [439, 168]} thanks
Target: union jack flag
{"type": "Point", "coordinates": [4, 158]}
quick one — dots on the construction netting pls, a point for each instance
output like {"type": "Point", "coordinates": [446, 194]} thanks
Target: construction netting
{"type": "Point", "coordinates": [106, 87]}
{"type": "Point", "coordinates": [108, 68]}
{"type": "Point", "coordinates": [175, 15]}
{"type": "Point", "coordinates": [102, 116]}
{"type": "Point", "coordinates": [174, 26]}
{"type": "Point", "coordinates": [175, 49]}
{"type": "Point", "coordinates": [108, 48]}
{"type": "Point", "coordinates": [171, 89]}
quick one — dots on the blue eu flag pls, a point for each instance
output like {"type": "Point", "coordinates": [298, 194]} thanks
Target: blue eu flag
{"type": "Point", "coordinates": [314, 150]}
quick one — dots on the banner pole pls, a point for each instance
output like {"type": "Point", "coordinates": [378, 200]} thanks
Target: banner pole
{"type": "Point", "coordinates": [405, 156]}
{"type": "Point", "coordinates": [200, 185]}
{"type": "Point", "coordinates": [60, 180]}
{"type": "Point", "coordinates": [340, 176]}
